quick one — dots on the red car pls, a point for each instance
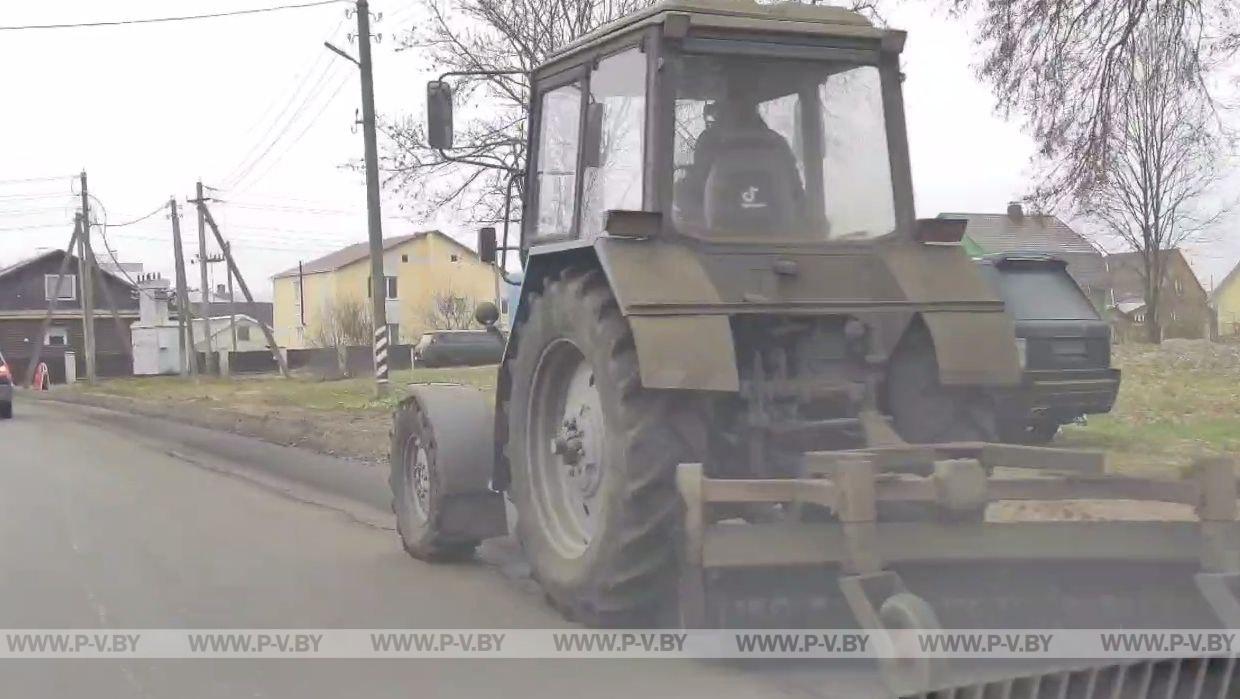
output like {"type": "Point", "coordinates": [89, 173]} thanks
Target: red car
{"type": "Point", "coordinates": [6, 390]}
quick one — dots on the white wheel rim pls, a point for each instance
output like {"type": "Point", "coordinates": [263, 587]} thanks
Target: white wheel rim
{"type": "Point", "coordinates": [565, 448]}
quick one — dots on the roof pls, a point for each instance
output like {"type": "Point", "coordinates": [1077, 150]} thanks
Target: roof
{"type": "Point", "coordinates": [729, 12]}
{"type": "Point", "coordinates": [1230, 279]}
{"type": "Point", "coordinates": [1130, 286]}
{"type": "Point", "coordinates": [1005, 233]}
{"type": "Point", "coordinates": [39, 257]}
{"type": "Point", "coordinates": [346, 256]}
{"type": "Point", "coordinates": [1127, 307]}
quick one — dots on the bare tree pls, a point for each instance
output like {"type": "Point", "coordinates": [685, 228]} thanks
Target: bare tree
{"type": "Point", "coordinates": [1164, 157]}
{"type": "Point", "coordinates": [1064, 66]}
{"type": "Point", "coordinates": [342, 323]}
{"type": "Point", "coordinates": [450, 312]}
{"type": "Point", "coordinates": [488, 35]}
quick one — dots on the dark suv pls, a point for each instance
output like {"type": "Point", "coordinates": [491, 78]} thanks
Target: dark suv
{"type": "Point", "coordinates": [1064, 347]}
{"type": "Point", "coordinates": [445, 348]}
{"type": "Point", "coordinates": [6, 389]}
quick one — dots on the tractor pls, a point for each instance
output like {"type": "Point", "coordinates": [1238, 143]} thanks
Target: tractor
{"type": "Point", "coordinates": [736, 348]}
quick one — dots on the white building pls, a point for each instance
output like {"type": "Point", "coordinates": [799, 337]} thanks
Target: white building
{"type": "Point", "coordinates": [157, 338]}
{"type": "Point", "coordinates": [250, 336]}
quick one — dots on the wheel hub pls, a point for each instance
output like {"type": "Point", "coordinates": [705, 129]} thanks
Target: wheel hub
{"type": "Point", "coordinates": [567, 446]}
{"type": "Point", "coordinates": [419, 476]}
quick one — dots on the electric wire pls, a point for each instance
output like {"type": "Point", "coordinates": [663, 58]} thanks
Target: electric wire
{"type": "Point", "coordinates": [158, 209]}
{"type": "Point", "coordinates": [297, 139]}
{"type": "Point", "coordinates": [180, 18]}
{"type": "Point", "coordinates": [320, 56]}
{"type": "Point", "coordinates": [329, 72]}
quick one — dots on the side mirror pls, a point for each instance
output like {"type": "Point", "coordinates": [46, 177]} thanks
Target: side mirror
{"type": "Point", "coordinates": [439, 114]}
{"type": "Point", "coordinates": [486, 245]}
{"type": "Point", "coordinates": [592, 143]}
{"type": "Point", "coordinates": [486, 314]}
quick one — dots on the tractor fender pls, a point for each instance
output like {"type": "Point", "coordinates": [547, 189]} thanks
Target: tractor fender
{"type": "Point", "coordinates": [462, 424]}
{"type": "Point", "coordinates": [689, 351]}
{"type": "Point", "coordinates": [975, 349]}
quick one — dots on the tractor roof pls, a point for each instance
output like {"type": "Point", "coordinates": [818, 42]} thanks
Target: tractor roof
{"type": "Point", "coordinates": [783, 17]}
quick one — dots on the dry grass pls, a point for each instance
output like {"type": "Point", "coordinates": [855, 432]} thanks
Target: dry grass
{"type": "Point", "coordinates": [1177, 401]}
{"type": "Point", "coordinates": [262, 394]}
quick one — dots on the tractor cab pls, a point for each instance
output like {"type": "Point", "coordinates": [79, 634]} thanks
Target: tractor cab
{"type": "Point", "coordinates": [719, 129]}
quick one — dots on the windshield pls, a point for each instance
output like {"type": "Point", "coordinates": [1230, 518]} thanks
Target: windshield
{"type": "Point", "coordinates": [777, 147]}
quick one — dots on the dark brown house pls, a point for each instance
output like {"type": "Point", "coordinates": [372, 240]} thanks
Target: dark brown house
{"type": "Point", "coordinates": [24, 292]}
{"type": "Point", "coordinates": [1184, 306]}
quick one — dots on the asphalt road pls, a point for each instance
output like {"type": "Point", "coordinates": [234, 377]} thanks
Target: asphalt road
{"type": "Point", "coordinates": [115, 522]}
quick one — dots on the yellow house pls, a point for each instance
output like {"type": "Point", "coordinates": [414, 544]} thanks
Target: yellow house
{"type": "Point", "coordinates": [1226, 301]}
{"type": "Point", "coordinates": [424, 271]}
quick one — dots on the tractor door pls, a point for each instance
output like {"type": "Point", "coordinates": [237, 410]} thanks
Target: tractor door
{"type": "Point", "coordinates": [588, 145]}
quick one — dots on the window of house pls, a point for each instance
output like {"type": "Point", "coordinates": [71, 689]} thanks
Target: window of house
{"type": "Point", "coordinates": [455, 258]}
{"type": "Point", "coordinates": [56, 337]}
{"type": "Point", "coordinates": [1140, 317]}
{"type": "Point", "coordinates": [393, 334]}
{"type": "Point", "coordinates": [67, 291]}
{"type": "Point", "coordinates": [503, 306]}
{"type": "Point", "coordinates": [243, 333]}
{"type": "Point", "coordinates": [391, 288]}
{"type": "Point", "coordinates": [404, 258]}
{"type": "Point", "coordinates": [556, 171]}
{"type": "Point", "coordinates": [618, 87]}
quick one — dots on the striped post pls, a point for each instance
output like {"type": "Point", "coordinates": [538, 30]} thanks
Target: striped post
{"type": "Point", "coordinates": [381, 356]}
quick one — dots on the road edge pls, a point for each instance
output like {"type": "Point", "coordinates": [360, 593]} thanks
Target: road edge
{"type": "Point", "coordinates": [284, 432]}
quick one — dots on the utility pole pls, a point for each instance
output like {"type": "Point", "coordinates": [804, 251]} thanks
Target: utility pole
{"type": "Point", "coordinates": [245, 289]}
{"type": "Point", "coordinates": [374, 218]}
{"type": "Point", "coordinates": [52, 300]}
{"type": "Point", "coordinates": [204, 310]}
{"type": "Point", "coordinates": [86, 278]}
{"type": "Point", "coordinates": [189, 355]}
{"type": "Point", "coordinates": [232, 300]}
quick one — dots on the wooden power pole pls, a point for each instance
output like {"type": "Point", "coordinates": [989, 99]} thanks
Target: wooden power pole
{"type": "Point", "coordinates": [86, 278]}
{"type": "Point", "coordinates": [52, 299]}
{"type": "Point", "coordinates": [189, 355]}
{"type": "Point", "coordinates": [204, 309]}
{"type": "Point", "coordinates": [245, 288]}
{"type": "Point", "coordinates": [374, 218]}
{"type": "Point", "coordinates": [232, 301]}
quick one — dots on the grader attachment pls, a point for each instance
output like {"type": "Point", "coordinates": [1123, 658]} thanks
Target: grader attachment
{"type": "Point", "coordinates": [938, 564]}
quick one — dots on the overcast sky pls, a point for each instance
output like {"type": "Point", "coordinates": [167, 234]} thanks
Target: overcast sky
{"type": "Point", "coordinates": [257, 107]}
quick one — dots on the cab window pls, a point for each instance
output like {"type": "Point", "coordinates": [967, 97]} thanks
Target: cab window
{"type": "Point", "coordinates": [618, 89]}
{"type": "Point", "coordinates": [556, 173]}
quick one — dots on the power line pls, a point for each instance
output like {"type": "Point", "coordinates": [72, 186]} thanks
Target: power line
{"type": "Point", "coordinates": [160, 208]}
{"type": "Point", "coordinates": [182, 18]}
{"type": "Point", "coordinates": [33, 195]}
{"type": "Point", "coordinates": [296, 209]}
{"type": "Point", "coordinates": [297, 139]}
{"type": "Point", "coordinates": [38, 179]}
{"type": "Point", "coordinates": [302, 82]}
{"type": "Point", "coordinates": [313, 94]}
{"type": "Point", "coordinates": [42, 225]}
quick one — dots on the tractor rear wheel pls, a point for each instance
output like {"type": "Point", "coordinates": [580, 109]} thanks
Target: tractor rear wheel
{"type": "Point", "coordinates": [593, 456]}
{"type": "Point", "coordinates": [924, 410]}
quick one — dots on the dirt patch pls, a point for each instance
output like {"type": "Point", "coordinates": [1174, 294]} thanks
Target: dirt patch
{"type": "Point", "coordinates": [1089, 511]}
